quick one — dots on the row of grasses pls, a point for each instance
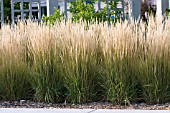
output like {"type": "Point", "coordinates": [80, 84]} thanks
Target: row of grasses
{"type": "Point", "coordinates": [121, 63]}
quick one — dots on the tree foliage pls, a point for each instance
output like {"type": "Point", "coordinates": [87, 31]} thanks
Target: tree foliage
{"type": "Point", "coordinates": [7, 8]}
{"type": "Point", "coordinates": [85, 10]}
{"type": "Point", "coordinates": [53, 18]}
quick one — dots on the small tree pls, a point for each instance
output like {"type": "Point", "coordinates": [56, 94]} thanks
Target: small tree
{"type": "Point", "coordinates": [82, 9]}
{"type": "Point", "coordinates": [85, 10]}
{"type": "Point", "coordinates": [53, 18]}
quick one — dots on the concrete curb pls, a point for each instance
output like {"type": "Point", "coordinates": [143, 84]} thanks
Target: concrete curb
{"type": "Point", "coordinates": [28, 110]}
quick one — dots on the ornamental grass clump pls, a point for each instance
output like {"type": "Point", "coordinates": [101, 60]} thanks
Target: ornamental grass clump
{"type": "Point", "coordinates": [14, 73]}
{"type": "Point", "coordinates": [68, 62]}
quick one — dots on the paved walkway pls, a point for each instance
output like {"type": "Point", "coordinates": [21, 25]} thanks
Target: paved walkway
{"type": "Point", "coordinates": [25, 110]}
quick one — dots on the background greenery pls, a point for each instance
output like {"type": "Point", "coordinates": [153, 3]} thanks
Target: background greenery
{"type": "Point", "coordinates": [84, 10]}
{"type": "Point", "coordinates": [7, 9]}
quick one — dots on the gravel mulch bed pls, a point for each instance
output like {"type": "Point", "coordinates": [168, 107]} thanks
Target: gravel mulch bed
{"type": "Point", "coordinates": [94, 105]}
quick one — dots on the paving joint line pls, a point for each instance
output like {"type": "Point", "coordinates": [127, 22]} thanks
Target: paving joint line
{"type": "Point", "coordinates": [92, 111]}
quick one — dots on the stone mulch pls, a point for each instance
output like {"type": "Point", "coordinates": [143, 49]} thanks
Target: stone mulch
{"type": "Point", "coordinates": [94, 105]}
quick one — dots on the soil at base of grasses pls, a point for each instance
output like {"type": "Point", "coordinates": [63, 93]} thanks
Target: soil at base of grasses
{"type": "Point", "coordinates": [94, 105]}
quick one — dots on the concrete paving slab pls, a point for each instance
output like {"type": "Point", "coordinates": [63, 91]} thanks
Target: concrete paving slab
{"type": "Point", "coordinates": [131, 111]}
{"type": "Point", "coordinates": [25, 110]}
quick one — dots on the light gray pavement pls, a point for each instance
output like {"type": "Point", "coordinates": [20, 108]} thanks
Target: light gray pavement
{"type": "Point", "coordinates": [25, 110]}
